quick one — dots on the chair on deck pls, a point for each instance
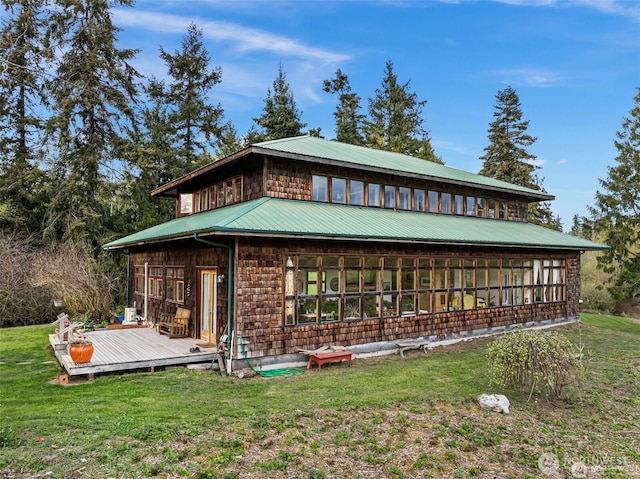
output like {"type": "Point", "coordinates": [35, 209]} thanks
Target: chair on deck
{"type": "Point", "coordinates": [175, 325]}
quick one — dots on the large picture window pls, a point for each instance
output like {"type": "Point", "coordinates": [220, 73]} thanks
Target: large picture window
{"type": "Point", "coordinates": [353, 287]}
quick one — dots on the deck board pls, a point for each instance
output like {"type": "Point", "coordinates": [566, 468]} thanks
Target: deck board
{"type": "Point", "coordinates": [127, 349]}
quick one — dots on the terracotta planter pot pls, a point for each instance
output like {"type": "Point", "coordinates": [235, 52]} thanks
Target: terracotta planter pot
{"type": "Point", "coordinates": [81, 353]}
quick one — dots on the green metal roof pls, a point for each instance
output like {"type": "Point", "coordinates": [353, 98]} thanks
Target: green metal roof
{"type": "Point", "coordinates": [272, 217]}
{"type": "Point", "coordinates": [386, 160]}
{"type": "Point", "coordinates": [318, 150]}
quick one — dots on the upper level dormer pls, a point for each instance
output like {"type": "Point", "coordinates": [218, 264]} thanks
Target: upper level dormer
{"type": "Point", "coordinates": [318, 170]}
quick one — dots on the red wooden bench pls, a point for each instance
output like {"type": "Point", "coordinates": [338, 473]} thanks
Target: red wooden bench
{"type": "Point", "coordinates": [329, 357]}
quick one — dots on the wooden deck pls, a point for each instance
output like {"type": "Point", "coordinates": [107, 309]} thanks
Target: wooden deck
{"type": "Point", "coordinates": [128, 349]}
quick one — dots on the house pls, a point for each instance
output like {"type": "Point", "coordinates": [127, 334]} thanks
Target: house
{"type": "Point", "coordinates": [301, 242]}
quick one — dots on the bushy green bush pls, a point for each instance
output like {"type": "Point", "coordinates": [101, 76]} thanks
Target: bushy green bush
{"type": "Point", "coordinates": [535, 361]}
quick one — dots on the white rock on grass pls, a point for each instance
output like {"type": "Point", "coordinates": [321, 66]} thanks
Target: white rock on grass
{"type": "Point", "coordinates": [495, 402]}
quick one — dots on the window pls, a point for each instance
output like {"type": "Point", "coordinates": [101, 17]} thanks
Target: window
{"type": "Point", "coordinates": [389, 196]}
{"type": "Point", "coordinates": [329, 288]}
{"type": "Point", "coordinates": [360, 193]}
{"type": "Point", "coordinates": [408, 287]}
{"type": "Point", "coordinates": [458, 205]}
{"type": "Point", "coordinates": [196, 202]}
{"type": "Point", "coordinates": [186, 203]}
{"type": "Point", "coordinates": [491, 209]}
{"type": "Point", "coordinates": [338, 190]}
{"type": "Point", "coordinates": [418, 200]}
{"type": "Point", "coordinates": [471, 206]}
{"type": "Point", "coordinates": [212, 198]}
{"type": "Point", "coordinates": [445, 203]}
{"type": "Point", "coordinates": [319, 188]}
{"type": "Point", "coordinates": [220, 196]}
{"type": "Point", "coordinates": [425, 296]}
{"type": "Point", "coordinates": [156, 282]}
{"type": "Point", "coordinates": [175, 284]}
{"type": "Point", "coordinates": [433, 201]}
{"type": "Point", "coordinates": [228, 193]}
{"type": "Point", "coordinates": [138, 281]}
{"type": "Point", "coordinates": [390, 286]}
{"type": "Point", "coordinates": [356, 192]}
{"type": "Point", "coordinates": [480, 207]}
{"type": "Point", "coordinates": [353, 290]}
{"type": "Point", "coordinates": [238, 193]}
{"type": "Point", "coordinates": [404, 197]}
{"type": "Point", "coordinates": [374, 194]}
{"type": "Point", "coordinates": [224, 193]}
{"type": "Point", "coordinates": [502, 210]}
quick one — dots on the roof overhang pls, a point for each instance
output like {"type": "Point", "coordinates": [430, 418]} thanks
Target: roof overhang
{"type": "Point", "coordinates": [300, 220]}
{"type": "Point", "coordinates": [323, 152]}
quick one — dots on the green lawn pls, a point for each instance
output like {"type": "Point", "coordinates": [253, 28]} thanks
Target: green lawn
{"type": "Point", "coordinates": [383, 417]}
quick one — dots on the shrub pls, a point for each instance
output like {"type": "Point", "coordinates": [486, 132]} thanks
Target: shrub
{"type": "Point", "coordinates": [539, 361]}
{"type": "Point", "coordinates": [73, 274]}
{"type": "Point", "coordinates": [21, 301]}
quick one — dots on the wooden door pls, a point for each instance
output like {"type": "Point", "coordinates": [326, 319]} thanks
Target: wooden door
{"type": "Point", "coordinates": [208, 296]}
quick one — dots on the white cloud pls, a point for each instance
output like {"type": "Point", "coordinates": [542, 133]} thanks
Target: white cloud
{"type": "Point", "coordinates": [530, 77]}
{"type": "Point", "coordinates": [563, 161]}
{"type": "Point", "coordinates": [627, 8]}
{"type": "Point", "coordinates": [244, 39]}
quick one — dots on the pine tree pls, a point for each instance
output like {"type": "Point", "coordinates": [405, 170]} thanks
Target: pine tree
{"type": "Point", "coordinates": [197, 123]}
{"type": "Point", "coordinates": [506, 157]}
{"type": "Point", "coordinates": [154, 161]}
{"type": "Point", "coordinates": [92, 97]}
{"type": "Point", "coordinates": [395, 120]}
{"type": "Point", "coordinates": [348, 119]}
{"type": "Point", "coordinates": [618, 211]}
{"type": "Point", "coordinates": [230, 142]}
{"type": "Point", "coordinates": [280, 117]}
{"type": "Point", "coordinates": [582, 227]}
{"type": "Point", "coordinates": [22, 182]}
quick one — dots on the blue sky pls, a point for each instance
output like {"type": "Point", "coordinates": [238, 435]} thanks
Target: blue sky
{"type": "Point", "coordinates": [575, 65]}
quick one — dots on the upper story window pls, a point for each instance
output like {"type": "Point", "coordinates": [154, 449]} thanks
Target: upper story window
{"type": "Point", "coordinates": [374, 194]}
{"type": "Point", "coordinates": [404, 198]}
{"type": "Point", "coordinates": [224, 193]}
{"type": "Point", "coordinates": [471, 206]}
{"type": "Point", "coordinates": [319, 188]}
{"type": "Point", "coordinates": [458, 205]}
{"type": "Point", "coordinates": [389, 196]}
{"type": "Point", "coordinates": [418, 200]}
{"type": "Point", "coordinates": [445, 203]}
{"type": "Point", "coordinates": [433, 201]}
{"type": "Point", "coordinates": [360, 193]}
{"type": "Point", "coordinates": [186, 203]}
{"type": "Point", "coordinates": [356, 192]}
{"type": "Point", "coordinates": [338, 190]}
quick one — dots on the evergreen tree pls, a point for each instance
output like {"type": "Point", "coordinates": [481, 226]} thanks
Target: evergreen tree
{"type": "Point", "coordinates": [618, 211]}
{"type": "Point", "coordinates": [506, 157]}
{"type": "Point", "coordinates": [348, 119]}
{"type": "Point", "coordinates": [92, 97]}
{"type": "Point", "coordinates": [395, 120]}
{"type": "Point", "coordinates": [280, 117]}
{"type": "Point", "coordinates": [22, 182]}
{"type": "Point", "coordinates": [196, 122]}
{"type": "Point", "coordinates": [154, 161]}
{"type": "Point", "coordinates": [230, 142]}
{"type": "Point", "coordinates": [582, 227]}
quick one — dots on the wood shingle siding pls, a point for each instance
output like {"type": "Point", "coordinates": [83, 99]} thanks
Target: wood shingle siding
{"type": "Point", "coordinates": [260, 293]}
